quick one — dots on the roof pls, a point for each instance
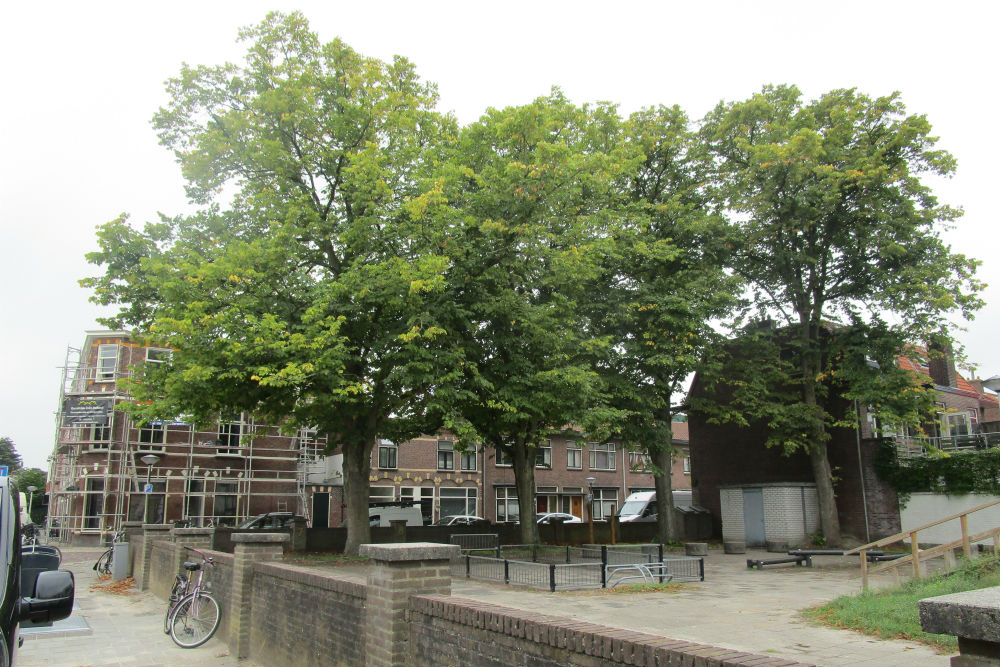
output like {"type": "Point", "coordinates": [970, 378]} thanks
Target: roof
{"type": "Point", "coordinates": [964, 388]}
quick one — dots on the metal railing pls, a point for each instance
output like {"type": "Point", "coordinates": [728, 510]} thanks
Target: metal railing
{"type": "Point", "coordinates": [912, 446]}
{"type": "Point", "coordinates": [564, 568]}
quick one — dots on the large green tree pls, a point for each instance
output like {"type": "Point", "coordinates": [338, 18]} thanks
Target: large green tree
{"type": "Point", "coordinates": [532, 195]}
{"type": "Point", "coordinates": [308, 289]}
{"type": "Point", "coordinates": [841, 240]}
{"type": "Point", "coordinates": [8, 454]}
{"type": "Point", "coordinates": [662, 284]}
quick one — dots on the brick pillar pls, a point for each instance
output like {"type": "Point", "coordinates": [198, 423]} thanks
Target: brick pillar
{"type": "Point", "coordinates": [248, 548]}
{"type": "Point", "coordinates": [299, 538]}
{"type": "Point", "coordinates": [398, 571]}
{"type": "Point", "coordinates": [133, 535]}
{"type": "Point", "coordinates": [151, 532]}
{"type": "Point", "coordinates": [199, 538]}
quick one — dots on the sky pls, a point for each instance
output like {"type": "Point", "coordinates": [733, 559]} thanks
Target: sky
{"type": "Point", "coordinates": [84, 79]}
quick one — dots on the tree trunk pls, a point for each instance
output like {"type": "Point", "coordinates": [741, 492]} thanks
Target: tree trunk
{"type": "Point", "coordinates": [818, 459]}
{"type": "Point", "coordinates": [357, 467]}
{"type": "Point", "coordinates": [666, 524]}
{"type": "Point", "coordinates": [524, 480]}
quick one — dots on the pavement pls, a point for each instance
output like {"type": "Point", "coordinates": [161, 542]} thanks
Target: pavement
{"type": "Point", "coordinates": [757, 611]}
{"type": "Point", "coordinates": [114, 629]}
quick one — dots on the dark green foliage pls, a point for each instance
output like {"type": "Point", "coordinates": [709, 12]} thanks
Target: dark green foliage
{"type": "Point", "coordinates": [952, 474]}
{"type": "Point", "coordinates": [8, 455]}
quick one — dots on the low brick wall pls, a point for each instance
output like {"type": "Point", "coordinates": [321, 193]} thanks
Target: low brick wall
{"type": "Point", "coordinates": [275, 613]}
{"type": "Point", "coordinates": [302, 617]}
{"type": "Point", "coordinates": [446, 630]}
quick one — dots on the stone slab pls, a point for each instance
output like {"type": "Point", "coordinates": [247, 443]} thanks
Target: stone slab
{"type": "Point", "coordinates": [410, 551]}
{"type": "Point", "coordinates": [259, 538]}
{"type": "Point", "coordinates": [972, 614]}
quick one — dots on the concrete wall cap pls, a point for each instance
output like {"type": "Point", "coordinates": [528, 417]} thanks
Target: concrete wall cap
{"type": "Point", "coordinates": [194, 531]}
{"type": "Point", "coordinates": [259, 538]}
{"type": "Point", "coordinates": [971, 615]}
{"type": "Point", "coordinates": [165, 527]}
{"type": "Point", "coordinates": [410, 551]}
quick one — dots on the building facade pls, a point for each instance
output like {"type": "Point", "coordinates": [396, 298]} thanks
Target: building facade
{"type": "Point", "coordinates": [106, 468]}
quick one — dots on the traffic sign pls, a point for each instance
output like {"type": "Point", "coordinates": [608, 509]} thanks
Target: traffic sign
{"type": "Point", "coordinates": [147, 488]}
{"type": "Point", "coordinates": [3, 471]}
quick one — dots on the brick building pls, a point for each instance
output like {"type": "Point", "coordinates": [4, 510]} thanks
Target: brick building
{"type": "Point", "coordinates": [238, 468]}
{"type": "Point", "coordinates": [745, 484]}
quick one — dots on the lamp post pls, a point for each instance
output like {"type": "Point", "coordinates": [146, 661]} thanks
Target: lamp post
{"type": "Point", "coordinates": [150, 460]}
{"type": "Point", "coordinates": [31, 496]}
{"type": "Point", "coordinates": [590, 505]}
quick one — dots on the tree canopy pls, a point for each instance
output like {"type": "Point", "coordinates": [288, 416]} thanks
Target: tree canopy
{"type": "Point", "coordinates": [838, 237]}
{"type": "Point", "coordinates": [313, 296]}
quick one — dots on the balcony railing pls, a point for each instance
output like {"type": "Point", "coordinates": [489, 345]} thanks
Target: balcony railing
{"type": "Point", "coordinates": [910, 446]}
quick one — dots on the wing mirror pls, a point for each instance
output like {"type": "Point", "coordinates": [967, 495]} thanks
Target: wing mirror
{"type": "Point", "coordinates": [53, 601]}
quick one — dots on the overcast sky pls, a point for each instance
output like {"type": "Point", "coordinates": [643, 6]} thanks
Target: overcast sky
{"type": "Point", "coordinates": [83, 80]}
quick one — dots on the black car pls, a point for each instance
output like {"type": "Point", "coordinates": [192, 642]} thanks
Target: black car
{"type": "Point", "coordinates": [270, 521]}
{"type": "Point", "coordinates": [27, 595]}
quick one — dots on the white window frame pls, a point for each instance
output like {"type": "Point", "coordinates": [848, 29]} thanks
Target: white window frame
{"type": "Point", "coordinates": [543, 455]}
{"type": "Point", "coordinates": [469, 460]}
{"type": "Point", "coordinates": [606, 450]}
{"type": "Point", "coordinates": [506, 502]}
{"type": "Point", "coordinates": [390, 448]}
{"type": "Point", "coordinates": [504, 459]}
{"type": "Point", "coordinates": [384, 494]}
{"type": "Point", "coordinates": [165, 353]}
{"type": "Point", "coordinates": [604, 504]}
{"type": "Point", "coordinates": [445, 454]}
{"type": "Point", "coordinates": [226, 435]}
{"type": "Point", "coordinates": [574, 450]}
{"type": "Point", "coordinates": [468, 494]}
{"type": "Point", "coordinates": [103, 373]}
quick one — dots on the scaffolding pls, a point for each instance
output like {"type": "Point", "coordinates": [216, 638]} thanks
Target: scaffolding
{"type": "Point", "coordinates": [98, 480]}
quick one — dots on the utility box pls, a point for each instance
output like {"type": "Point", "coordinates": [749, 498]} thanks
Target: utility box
{"type": "Point", "coordinates": [119, 561]}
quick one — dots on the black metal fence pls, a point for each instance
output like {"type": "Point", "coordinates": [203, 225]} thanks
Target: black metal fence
{"type": "Point", "coordinates": [562, 568]}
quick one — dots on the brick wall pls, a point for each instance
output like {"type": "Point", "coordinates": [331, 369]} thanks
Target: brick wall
{"type": "Point", "coordinates": [161, 568]}
{"type": "Point", "coordinates": [305, 618]}
{"type": "Point", "coordinates": [446, 630]}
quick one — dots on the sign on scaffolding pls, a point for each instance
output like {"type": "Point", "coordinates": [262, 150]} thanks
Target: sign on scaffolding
{"type": "Point", "coordinates": [3, 471]}
{"type": "Point", "coordinates": [86, 410]}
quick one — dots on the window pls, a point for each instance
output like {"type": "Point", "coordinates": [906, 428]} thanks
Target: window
{"type": "Point", "coordinates": [226, 496]}
{"type": "Point", "coordinates": [100, 436]}
{"type": "Point", "coordinates": [107, 362]}
{"type": "Point", "coordinates": [194, 502]}
{"type": "Point", "coordinates": [546, 499]}
{"type": "Point", "coordinates": [446, 455]}
{"type": "Point", "coordinates": [504, 459]}
{"type": "Point", "coordinates": [687, 465]}
{"type": "Point", "coordinates": [140, 501]}
{"type": "Point", "coordinates": [387, 451]}
{"type": "Point", "coordinates": [422, 495]}
{"type": "Point", "coordinates": [158, 355]}
{"type": "Point", "coordinates": [638, 462]}
{"type": "Point", "coordinates": [574, 455]}
{"type": "Point", "coordinates": [154, 433]}
{"type": "Point", "coordinates": [955, 423]}
{"type": "Point", "coordinates": [602, 456]}
{"type": "Point", "coordinates": [231, 434]}
{"type": "Point", "coordinates": [605, 503]}
{"type": "Point", "coordinates": [458, 501]}
{"type": "Point", "coordinates": [381, 494]}
{"type": "Point", "coordinates": [507, 508]}
{"type": "Point", "coordinates": [470, 460]}
{"type": "Point", "coordinates": [94, 504]}
{"type": "Point", "coordinates": [543, 457]}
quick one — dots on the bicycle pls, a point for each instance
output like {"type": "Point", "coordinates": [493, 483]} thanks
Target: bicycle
{"type": "Point", "coordinates": [178, 591]}
{"type": "Point", "coordinates": [195, 617]}
{"type": "Point", "coordinates": [106, 559]}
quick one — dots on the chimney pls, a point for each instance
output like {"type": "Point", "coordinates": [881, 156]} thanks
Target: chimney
{"type": "Point", "coordinates": [941, 363]}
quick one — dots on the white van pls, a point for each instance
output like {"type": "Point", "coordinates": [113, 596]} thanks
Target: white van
{"type": "Point", "coordinates": [382, 515]}
{"type": "Point", "coordinates": [642, 506]}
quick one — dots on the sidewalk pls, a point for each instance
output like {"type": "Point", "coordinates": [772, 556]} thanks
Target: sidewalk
{"type": "Point", "coordinates": [120, 629]}
{"type": "Point", "coordinates": [756, 611]}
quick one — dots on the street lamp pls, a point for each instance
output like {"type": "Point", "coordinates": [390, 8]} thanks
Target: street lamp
{"type": "Point", "coordinates": [590, 505]}
{"type": "Point", "coordinates": [31, 496]}
{"type": "Point", "coordinates": [150, 460]}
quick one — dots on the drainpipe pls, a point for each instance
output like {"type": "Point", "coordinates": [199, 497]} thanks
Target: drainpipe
{"type": "Point", "coordinates": [861, 469]}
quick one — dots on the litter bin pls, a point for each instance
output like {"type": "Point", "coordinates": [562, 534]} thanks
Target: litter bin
{"type": "Point", "coordinates": [119, 562]}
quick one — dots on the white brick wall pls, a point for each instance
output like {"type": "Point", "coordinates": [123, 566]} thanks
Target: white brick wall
{"type": "Point", "coordinates": [791, 513]}
{"type": "Point", "coordinates": [731, 501]}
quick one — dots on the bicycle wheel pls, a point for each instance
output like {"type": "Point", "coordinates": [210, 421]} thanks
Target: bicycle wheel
{"type": "Point", "coordinates": [103, 564]}
{"type": "Point", "coordinates": [195, 620]}
{"type": "Point", "coordinates": [176, 593]}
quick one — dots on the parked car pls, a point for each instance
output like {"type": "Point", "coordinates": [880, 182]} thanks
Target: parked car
{"type": "Point", "coordinates": [461, 520]}
{"type": "Point", "coordinates": [558, 517]}
{"type": "Point", "coordinates": [50, 594]}
{"type": "Point", "coordinates": [269, 521]}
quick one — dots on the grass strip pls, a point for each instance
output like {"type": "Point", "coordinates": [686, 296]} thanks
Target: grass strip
{"type": "Point", "coordinates": [892, 613]}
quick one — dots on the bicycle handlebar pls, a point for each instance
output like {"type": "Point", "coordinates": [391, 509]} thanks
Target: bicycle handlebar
{"type": "Point", "coordinates": [206, 558]}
